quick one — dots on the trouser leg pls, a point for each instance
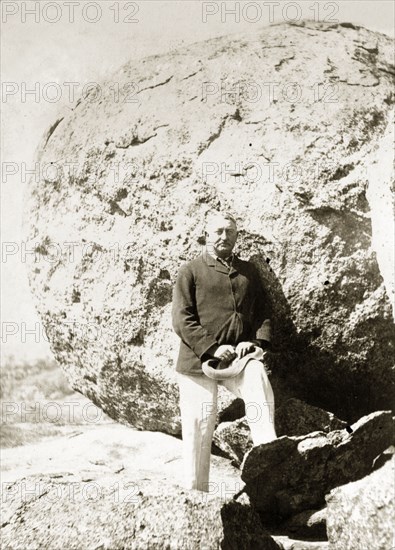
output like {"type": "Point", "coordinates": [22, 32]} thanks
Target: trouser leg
{"type": "Point", "coordinates": [198, 406]}
{"type": "Point", "coordinates": [254, 387]}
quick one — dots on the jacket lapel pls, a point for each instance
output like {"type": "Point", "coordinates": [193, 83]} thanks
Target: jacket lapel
{"type": "Point", "coordinates": [233, 268]}
{"type": "Point", "coordinates": [219, 266]}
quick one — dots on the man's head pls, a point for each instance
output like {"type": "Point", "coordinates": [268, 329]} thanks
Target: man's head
{"type": "Point", "coordinates": [221, 234]}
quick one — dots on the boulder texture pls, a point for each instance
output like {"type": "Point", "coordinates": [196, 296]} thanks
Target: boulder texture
{"type": "Point", "coordinates": [361, 514]}
{"type": "Point", "coordinates": [310, 523]}
{"type": "Point", "coordinates": [296, 417]}
{"type": "Point", "coordinates": [292, 474]}
{"type": "Point", "coordinates": [234, 439]}
{"type": "Point", "coordinates": [109, 486]}
{"type": "Point", "coordinates": [291, 544]}
{"type": "Point", "coordinates": [279, 126]}
{"type": "Point", "coordinates": [141, 516]}
{"type": "Point", "coordinates": [293, 417]}
{"type": "Point", "coordinates": [139, 471]}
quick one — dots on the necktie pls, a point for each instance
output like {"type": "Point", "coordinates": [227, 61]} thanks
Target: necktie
{"type": "Point", "coordinates": [227, 262]}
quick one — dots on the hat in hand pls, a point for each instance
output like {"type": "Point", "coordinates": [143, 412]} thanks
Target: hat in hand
{"type": "Point", "coordinates": [235, 367]}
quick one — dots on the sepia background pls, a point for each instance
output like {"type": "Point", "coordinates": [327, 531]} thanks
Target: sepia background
{"type": "Point", "coordinates": [56, 434]}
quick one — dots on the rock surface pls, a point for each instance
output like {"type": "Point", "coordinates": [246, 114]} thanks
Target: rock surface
{"type": "Point", "coordinates": [297, 417]}
{"type": "Point", "coordinates": [147, 516]}
{"type": "Point", "coordinates": [290, 475]}
{"type": "Point", "coordinates": [128, 178]}
{"type": "Point", "coordinates": [310, 523]}
{"type": "Point", "coordinates": [112, 487]}
{"type": "Point", "coordinates": [234, 439]}
{"type": "Point", "coordinates": [361, 514]}
{"type": "Point", "coordinates": [293, 417]}
{"type": "Point", "coordinates": [293, 544]}
{"type": "Point", "coordinates": [92, 452]}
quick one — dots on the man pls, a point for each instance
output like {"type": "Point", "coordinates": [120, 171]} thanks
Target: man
{"type": "Point", "coordinates": [219, 311]}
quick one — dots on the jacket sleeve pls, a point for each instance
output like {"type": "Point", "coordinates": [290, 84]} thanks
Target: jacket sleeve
{"type": "Point", "coordinates": [263, 327]}
{"type": "Point", "coordinates": [185, 318]}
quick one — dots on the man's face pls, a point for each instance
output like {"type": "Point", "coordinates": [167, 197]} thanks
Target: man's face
{"type": "Point", "coordinates": [221, 235]}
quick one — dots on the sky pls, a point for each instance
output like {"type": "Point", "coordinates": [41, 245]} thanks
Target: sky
{"type": "Point", "coordinates": [45, 42]}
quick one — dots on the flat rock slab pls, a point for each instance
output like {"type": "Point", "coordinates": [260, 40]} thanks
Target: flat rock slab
{"type": "Point", "coordinates": [91, 452]}
{"type": "Point", "coordinates": [292, 474]}
{"type": "Point", "coordinates": [113, 487]}
{"type": "Point", "coordinates": [120, 512]}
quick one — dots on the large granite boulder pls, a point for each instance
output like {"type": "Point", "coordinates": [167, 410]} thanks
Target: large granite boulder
{"type": "Point", "coordinates": [127, 176]}
{"type": "Point", "coordinates": [292, 474]}
{"type": "Point", "coordinates": [361, 514]}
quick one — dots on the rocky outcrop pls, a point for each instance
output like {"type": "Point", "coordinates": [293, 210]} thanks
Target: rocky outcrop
{"type": "Point", "coordinates": [122, 490]}
{"type": "Point", "coordinates": [293, 417]}
{"type": "Point", "coordinates": [147, 516]}
{"type": "Point", "coordinates": [280, 126]}
{"type": "Point", "coordinates": [292, 474]}
{"type": "Point", "coordinates": [111, 487]}
{"type": "Point", "coordinates": [361, 514]}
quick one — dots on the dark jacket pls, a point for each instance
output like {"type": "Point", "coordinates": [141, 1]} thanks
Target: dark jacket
{"type": "Point", "coordinates": [213, 305]}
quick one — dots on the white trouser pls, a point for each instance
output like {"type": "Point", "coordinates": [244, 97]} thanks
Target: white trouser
{"type": "Point", "coordinates": [198, 405]}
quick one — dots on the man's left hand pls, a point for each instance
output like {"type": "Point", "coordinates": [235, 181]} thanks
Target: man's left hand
{"type": "Point", "coordinates": [243, 348]}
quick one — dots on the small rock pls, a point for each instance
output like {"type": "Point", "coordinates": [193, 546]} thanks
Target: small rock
{"type": "Point", "coordinates": [293, 544]}
{"type": "Point", "coordinates": [234, 439]}
{"type": "Point", "coordinates": [310, 523]}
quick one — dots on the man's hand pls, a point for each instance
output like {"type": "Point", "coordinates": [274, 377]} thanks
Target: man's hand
{"type": "Point", "coordinates": [243, 348]}
{"type": "Point", "coordinates": [226, 354]}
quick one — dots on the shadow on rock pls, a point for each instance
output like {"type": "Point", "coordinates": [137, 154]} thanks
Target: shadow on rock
{"type": "Point", "coordinates": [292, 474]}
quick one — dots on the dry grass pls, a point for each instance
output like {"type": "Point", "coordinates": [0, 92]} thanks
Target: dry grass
{"type": "Point", "coordinates": [37, 402]}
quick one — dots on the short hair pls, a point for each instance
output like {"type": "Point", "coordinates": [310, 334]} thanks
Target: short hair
{"type": "Point", "coordinates": [215, 214]}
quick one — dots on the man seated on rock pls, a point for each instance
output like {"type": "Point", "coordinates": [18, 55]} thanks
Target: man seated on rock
{"type": "Point", "coordinates": [219, 312]}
